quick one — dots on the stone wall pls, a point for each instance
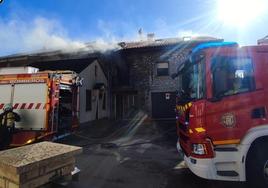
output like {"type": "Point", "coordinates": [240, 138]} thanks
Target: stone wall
{"type": "Point", "coordinates": [142, 72]}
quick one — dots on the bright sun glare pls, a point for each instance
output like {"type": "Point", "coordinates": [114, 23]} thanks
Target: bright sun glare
{"type": "Point", "coordinates": [240, 13]}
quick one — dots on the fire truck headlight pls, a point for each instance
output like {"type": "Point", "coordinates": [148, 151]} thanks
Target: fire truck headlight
{"type": "Point", "coordinates": [199, 149]}
{"type": "Point", "coordinates": [30, 141]}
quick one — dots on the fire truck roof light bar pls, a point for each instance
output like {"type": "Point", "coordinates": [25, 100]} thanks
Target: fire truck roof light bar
{"type": "Point", "coordinates": [201, 47]}
{"type": "Point", "coordinates": [213, 45]}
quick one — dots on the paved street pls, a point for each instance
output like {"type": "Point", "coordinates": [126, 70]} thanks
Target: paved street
{"type": "Point", "coordinates": [141, 155]}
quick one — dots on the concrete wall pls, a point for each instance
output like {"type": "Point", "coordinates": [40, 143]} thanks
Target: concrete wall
{"type": "Point", "coordinates": [88, 83]}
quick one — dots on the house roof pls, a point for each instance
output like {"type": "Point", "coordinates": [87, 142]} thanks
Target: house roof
{"type": "Point", "coordinates": [46, 56]}
{"type": "Point", "coordinates": [166, 42]}
{"type": "Point", "coordinates": [76, 65]}
{"type": "Point", "coordinates": [89, 52]}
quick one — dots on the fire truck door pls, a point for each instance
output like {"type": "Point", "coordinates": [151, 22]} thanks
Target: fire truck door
{"type": "Point", "coordinates": [229, 118]}
{"type": "Point", "coordinates": [5, 94]}
{"type": "Point", "coordinates": [231, 111]}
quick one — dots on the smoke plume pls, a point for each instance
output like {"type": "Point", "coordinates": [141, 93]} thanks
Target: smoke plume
{"type": "Point", "coordinates": [41, 34]}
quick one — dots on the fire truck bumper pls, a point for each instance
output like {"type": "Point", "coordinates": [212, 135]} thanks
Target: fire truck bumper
{"type": "Point", "coordinates": [200, 167]}
{"type": "Point", "coordinates": [212, 169]}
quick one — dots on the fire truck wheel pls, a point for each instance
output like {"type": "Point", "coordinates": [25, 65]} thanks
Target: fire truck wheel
{"type": "Point", "coordinates": [257, 165]}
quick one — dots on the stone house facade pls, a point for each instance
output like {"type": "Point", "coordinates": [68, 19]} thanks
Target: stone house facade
{"type": "Point", "coordinates": [150, 66]}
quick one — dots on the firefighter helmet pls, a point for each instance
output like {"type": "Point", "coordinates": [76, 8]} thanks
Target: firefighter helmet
{"type": "Point", "coordinates": [7, 107]}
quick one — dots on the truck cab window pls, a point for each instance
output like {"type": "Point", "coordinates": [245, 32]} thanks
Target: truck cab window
{"type": "Point", "coordinates": [192, 80]}
{"type": "Point", "coordinates": [232, 76]}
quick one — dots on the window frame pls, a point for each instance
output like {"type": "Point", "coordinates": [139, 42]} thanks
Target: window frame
{"type": "Point", "coordinates": [167, 69]}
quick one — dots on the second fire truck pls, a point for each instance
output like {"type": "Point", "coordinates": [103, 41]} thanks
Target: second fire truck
{"type": "Point", "coordinates": [47, 103]}
{"type": "Point", "coordinates": [222, 119]}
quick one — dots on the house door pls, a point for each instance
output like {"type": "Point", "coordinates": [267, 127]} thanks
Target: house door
{"type": "Point", "coordinates": [163, 105]}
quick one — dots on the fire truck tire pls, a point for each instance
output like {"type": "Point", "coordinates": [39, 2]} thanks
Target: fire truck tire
{"type": "Point", "coordinates": [257, 164]}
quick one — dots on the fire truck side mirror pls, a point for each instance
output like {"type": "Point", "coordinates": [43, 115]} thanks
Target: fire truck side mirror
{"type": "Point", "coordinates": [79, 81]}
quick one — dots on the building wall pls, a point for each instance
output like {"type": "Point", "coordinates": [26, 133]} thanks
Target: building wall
{"type": "Point", "coordinates": [88, 84]}
{"type": "Point", "coordinates": [142, 73]}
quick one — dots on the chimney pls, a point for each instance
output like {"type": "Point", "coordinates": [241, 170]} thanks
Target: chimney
{"type": "Point", "coordinates": [140, 32]}
{"type": "Point", "coordinates": [150, 36]}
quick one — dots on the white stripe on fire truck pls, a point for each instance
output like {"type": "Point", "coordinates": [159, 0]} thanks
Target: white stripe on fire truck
{"type": "Point", "coordinates": [28, 106]}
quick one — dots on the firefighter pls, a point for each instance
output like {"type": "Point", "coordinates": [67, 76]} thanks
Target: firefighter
{"type": "Point", "coordinates": [7, 126]}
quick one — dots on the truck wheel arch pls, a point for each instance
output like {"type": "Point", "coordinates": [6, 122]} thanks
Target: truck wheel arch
{"type": "Point", "coordinates": [256, 163]}
{"type": "Point", "coordinates": [252, 138]}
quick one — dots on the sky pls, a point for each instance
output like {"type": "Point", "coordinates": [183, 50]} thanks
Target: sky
{"type": "Point", "coordinates": [32, 25]}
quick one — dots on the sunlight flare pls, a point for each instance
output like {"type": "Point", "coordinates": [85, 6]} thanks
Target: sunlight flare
{"type": "Point", "coordinates": [240, 13]}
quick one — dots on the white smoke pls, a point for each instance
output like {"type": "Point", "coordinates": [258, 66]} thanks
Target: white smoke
{"type": "Point", "coordinates": [102, 45]}
{"type": "Point", "coordinates": [41, 34]}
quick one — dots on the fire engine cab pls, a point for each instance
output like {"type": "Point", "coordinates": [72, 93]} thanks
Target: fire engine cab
{"type": "Point", "coordinates": [222, 120]}
{"type": "Point", "coordinates": [47, 102]}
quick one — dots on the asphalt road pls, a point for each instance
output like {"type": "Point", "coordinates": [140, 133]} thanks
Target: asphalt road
{"type": "Point", "coordinates": [142, 155]}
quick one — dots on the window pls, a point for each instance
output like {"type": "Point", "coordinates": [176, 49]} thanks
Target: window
{"type": "Point", "coordinates": [88, 100]}
{"type": "Point", "coordinates": [104, 102]}
{"type": "Point", "coordinates": [232, 75]}
{"type": "Point", "coordinates": [96, 71]}
{"type": "Point", "coordinates": [162, 69]}
{"type": "Point", "coordinates": [192, 80]}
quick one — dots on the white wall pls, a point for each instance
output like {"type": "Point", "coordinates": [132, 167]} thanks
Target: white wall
{"type": "Point", "coordinates": [18, 70]}
{"type": "Point", "coordinates": [88, 83]}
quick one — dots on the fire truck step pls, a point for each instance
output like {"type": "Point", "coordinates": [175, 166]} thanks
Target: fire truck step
{"type": "Point", "coordinates": [227, 173]}
{"type": "Point", "coordinates": [230, 149]}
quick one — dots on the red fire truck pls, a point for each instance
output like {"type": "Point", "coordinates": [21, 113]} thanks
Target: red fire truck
{"type": "Point", "coordinates": [47, 103]}
{"type": "Point", "coordinates": [222, 120]}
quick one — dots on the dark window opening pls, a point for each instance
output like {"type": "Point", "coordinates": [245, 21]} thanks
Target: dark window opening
{"type": "Point", "coordinates": [88, 100]}
{"type": "Point", "coordinates": [232, 75]}
{"type": "Point", "coordinates": [162, 69]}
{"type": "Point", "coordinates": [104, 102]}
{"type": "Point", "coordinates": [96, 71]}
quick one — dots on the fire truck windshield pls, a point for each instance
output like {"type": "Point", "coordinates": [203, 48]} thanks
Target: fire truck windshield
{"type": "Point", "coordinates": [192, 80]}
